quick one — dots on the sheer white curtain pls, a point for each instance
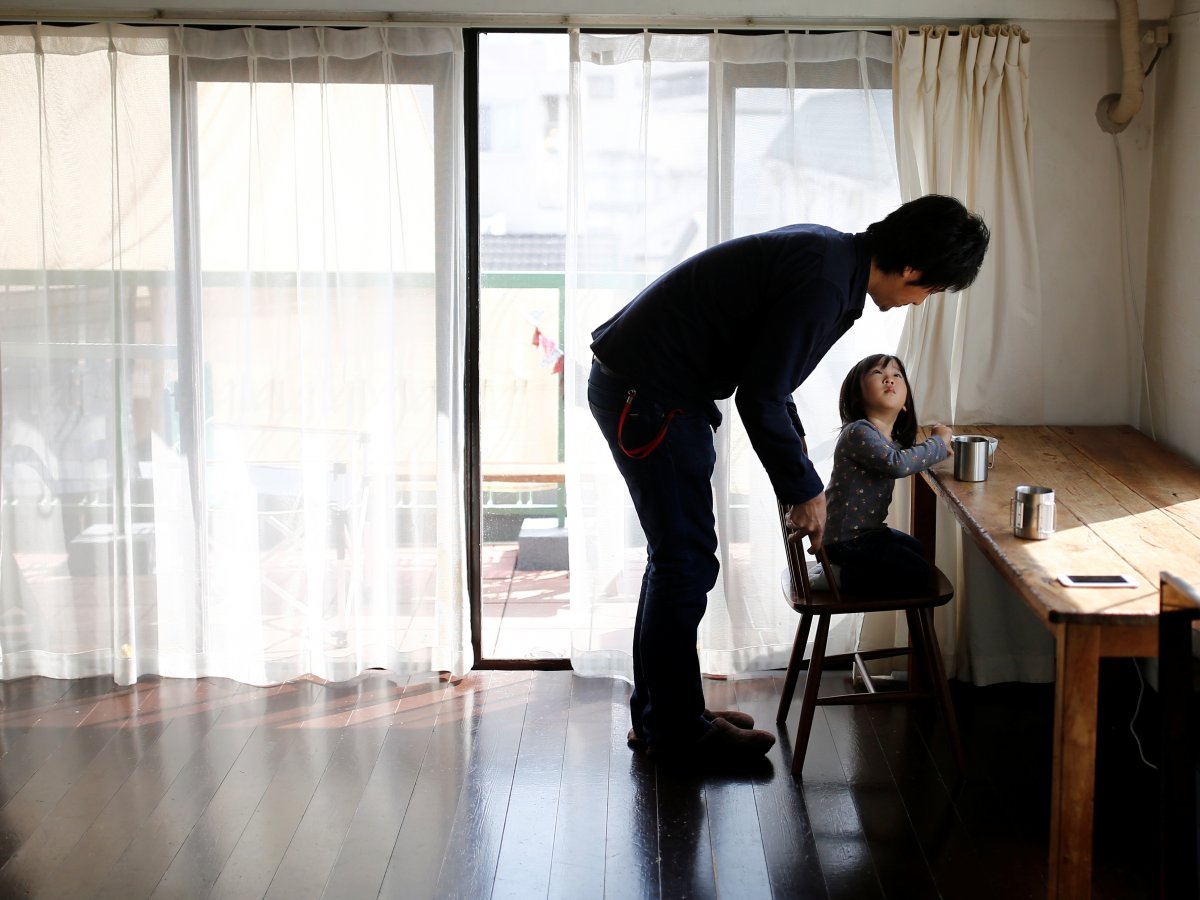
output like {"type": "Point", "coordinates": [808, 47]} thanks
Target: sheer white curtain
{"type": "Point", "coordinates": [231, 284]}
{"type": "Point", "coordinates": [963, 128]}
{"type": "Point", "coordinates": [679, 142]}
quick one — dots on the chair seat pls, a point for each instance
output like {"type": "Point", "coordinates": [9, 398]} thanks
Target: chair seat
{"type": "Point", "coordinates": [821, 602]}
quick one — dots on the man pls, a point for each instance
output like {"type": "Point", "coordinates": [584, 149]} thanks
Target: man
{"type": "Point", "coordinates": [753, 315]}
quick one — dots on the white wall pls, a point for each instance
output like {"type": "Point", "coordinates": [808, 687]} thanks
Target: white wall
{"type": "Point", "coordinates": [1173, 285]}
{"type": "Point", "coordinates": [1092, 357]}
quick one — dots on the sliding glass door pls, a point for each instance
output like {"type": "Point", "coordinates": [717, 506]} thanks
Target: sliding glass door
{"type": "Point", "coordinates": [522, 166]}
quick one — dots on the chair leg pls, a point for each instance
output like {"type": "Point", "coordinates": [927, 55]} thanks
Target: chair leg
{"type": "Point", "coordinates": [808, 704]}
{"type": "Point", "coordinates": [795, 664]}
{"type": "Point", "coordinates": [919, 675]}
{"type": "Point", "coordinates": [941, 686]}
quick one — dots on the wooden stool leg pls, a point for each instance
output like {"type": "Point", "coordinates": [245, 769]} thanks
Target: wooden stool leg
{"type": "Point", "coordinates": [919, 674]}
{"type": "Point", "coordinates": [941, 687]}
{"type": "Point", "coordinates": [795, 664]}
{"type": "Point", "coordinates": [808, 704]}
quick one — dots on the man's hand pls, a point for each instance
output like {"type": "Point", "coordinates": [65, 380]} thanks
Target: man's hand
{"type": "Point", "coordinates": [807, 518]}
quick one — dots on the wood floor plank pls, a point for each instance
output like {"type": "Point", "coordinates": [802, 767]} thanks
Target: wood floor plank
{"type": "Point", "coordinates": [216, 806]}
{"type": "Point", "coordinates": [308, 862]}
{"type": "Point", "coordinates": [65, 766]}
{"type": "Point", "coordinates": [31, 692]}
{"type": "Point", "coordinates": [631, 842]}
{"type": "Point", "coordinates": [129, 846]}
{"type": "Point", "coordinates": [512, 784]}
{"type": "Point", "coordinates": [55, 726]}
{"type": "Point", "coordinates": [527, 846]}
{"type": "Point", "coordinates": [419, 849]}
{"type": "Point", "coordinates": [22, 702]}
{"type": "Point", "coordinates": [738, 861]}
{"type": "Point", "coordinates": [788, 844]}
{"type": "Point", "coordinates": [896, 853]}
{"type": "Point", "coordinates": [581, 808]}
{"type": "Point", "coordinates": [48, 847]}
{"type": "Point", "coordinates": [1008, 733]}
{"type": "Point", "coordinates": [424, 842]}
{"type": "Point", "coordinates": [954, 852]}
{"type": "Point", "coordinates": [473, 846]}
{"type": "Point", "coordinates": [785, 845]}
{"type": "Point", "coordinates": [688, 846]}
{"type": "Point", "coordinates": [260, 849]}
{"type": "Point", "coordinates": [838, 833]}
{"type": "Point", "coordinates": [363, 856]}
{"type": "Point", "coordinates": [112, 830]}
{"type": "Point", "coordinates": [685, 857]}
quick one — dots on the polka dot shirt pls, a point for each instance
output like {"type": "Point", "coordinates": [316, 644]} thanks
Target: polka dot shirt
{"type": "Point", "coordinates": [866, 465]}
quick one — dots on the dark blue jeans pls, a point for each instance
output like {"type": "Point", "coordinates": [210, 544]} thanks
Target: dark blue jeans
{"type": "Point", "coordinates": [671, 490]}
{"type": "Point", "coordinates": [885, 562]}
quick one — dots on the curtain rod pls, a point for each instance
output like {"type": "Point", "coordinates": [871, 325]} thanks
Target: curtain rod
{"type": "Point", "coordinates": [491, 20]}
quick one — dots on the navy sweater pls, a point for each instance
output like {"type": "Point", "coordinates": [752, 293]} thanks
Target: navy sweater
{"type": "Point", "coordinates": [753, 315]}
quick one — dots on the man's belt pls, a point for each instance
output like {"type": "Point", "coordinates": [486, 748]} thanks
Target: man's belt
{"type": "Point", "coordinates": [606, 370]}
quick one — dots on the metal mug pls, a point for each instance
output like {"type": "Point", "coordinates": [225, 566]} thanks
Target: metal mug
{"type": "Point", "coordinates": [974, 454]}
{"type": "Point", "coordinates": [1032, 512]}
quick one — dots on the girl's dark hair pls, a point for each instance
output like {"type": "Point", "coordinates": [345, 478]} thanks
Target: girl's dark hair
{"type": "Point", "coordinates": [935, 235]}
{"type": "Point", "coordinates": [850, 403]}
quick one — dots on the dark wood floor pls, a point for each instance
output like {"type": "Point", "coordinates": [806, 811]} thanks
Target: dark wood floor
{"type": "Point", "coordinates": [519, 784]}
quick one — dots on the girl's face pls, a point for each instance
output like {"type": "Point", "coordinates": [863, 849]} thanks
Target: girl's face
{"type": "Point", "coordinates": [884, 389]}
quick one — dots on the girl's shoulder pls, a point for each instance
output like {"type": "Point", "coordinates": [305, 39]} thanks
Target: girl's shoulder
{"type": "Point", "coordinates": [863, 438]}
{"type": "Point", "coordinates": [861, 429]}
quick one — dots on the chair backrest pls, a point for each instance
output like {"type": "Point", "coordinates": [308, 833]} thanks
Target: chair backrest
{"type": "Point", "coordinates": [798, 564]}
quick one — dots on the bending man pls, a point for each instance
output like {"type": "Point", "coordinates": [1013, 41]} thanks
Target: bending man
{"type": "Point", "coordinates": [751, 316]}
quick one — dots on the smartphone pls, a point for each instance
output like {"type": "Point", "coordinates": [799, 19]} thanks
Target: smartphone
{"type": "Point", "coordinates": [1097, 581]}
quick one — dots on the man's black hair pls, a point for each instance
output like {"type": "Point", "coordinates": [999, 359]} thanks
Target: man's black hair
{"type": "Point", "coordinates": [850, 402]}
{"type": "Point", "coordinates": [934, 235]}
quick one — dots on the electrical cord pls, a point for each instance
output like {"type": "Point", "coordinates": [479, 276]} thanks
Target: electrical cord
{"type": "Point", "coordinates": [1137, 708]}
{"type": "Point", "coordinates": [1154, 59]}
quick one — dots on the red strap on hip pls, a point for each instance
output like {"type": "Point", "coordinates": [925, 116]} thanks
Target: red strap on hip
{"type": "Point", "coordinates": [646, 449]}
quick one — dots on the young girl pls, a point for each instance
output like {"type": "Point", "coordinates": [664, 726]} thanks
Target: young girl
{"type": "Point", "coordinates": [875, 447]}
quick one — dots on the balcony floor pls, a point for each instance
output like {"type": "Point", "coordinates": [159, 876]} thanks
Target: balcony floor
{"type": "Point", "coordinates": [525, 613]}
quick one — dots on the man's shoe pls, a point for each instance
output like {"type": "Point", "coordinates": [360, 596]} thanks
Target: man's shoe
{"type": "Point", "coordinates": [724, 746]}
{"type": "Point", "coordinates": [733, 716]}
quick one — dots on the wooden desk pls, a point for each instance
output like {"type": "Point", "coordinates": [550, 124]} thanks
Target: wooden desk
{"type": "Point", "coordinates": [1124, 504]}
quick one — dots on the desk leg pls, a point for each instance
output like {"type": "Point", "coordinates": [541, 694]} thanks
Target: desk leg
{"type": "Point", "coordinates": [1074, 778]}
{"type": "Point", "coordinates": [924, 528]}
{"type": "Point", "coordinates": [924, 516]}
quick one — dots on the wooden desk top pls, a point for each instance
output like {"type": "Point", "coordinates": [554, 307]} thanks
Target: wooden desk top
{"type": "Point", "coordinates": [1124, 505]}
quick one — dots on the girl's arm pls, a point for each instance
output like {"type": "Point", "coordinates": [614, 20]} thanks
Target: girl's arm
{"type": "Point", "coordinates": [870, 449]}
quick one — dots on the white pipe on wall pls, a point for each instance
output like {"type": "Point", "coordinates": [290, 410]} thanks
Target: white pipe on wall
{"type": "Point", "coordinates": [1116, 111]}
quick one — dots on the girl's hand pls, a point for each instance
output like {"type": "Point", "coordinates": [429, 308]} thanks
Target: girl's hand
{"type": "Point", "coordinates": [945, 433]}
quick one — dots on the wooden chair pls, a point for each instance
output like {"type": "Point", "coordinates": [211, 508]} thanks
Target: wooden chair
{"type": "Point", "coordinates": [1179, 609]}
{"type": "Point", "coordinates": [926, 674]}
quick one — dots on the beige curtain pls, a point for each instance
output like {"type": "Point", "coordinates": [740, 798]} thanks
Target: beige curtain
{"type": "Point", "coordinates": [961, 101]}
